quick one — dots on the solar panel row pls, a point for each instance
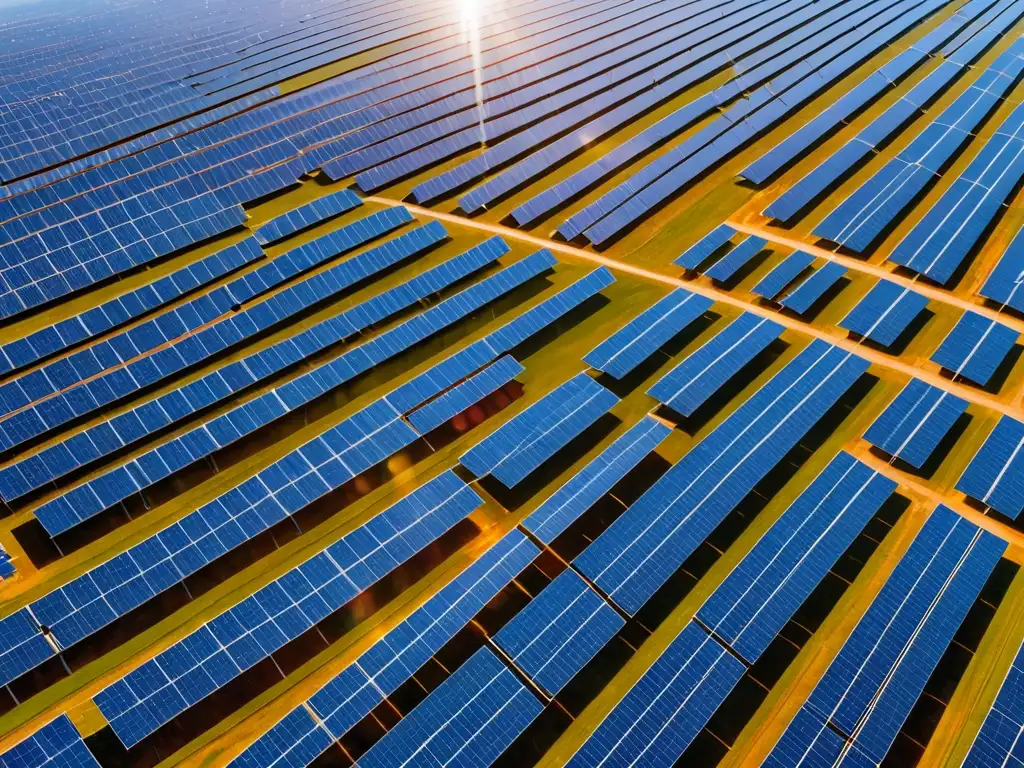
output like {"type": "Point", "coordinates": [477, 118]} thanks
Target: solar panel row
{"type": "Point", "coordinates": [559, 631]}
{"type": "Point", "coordinates": [915, 422]}
{"type": "Point", "coordinates": [392, 660]}
{"type": "Point", "coordinates": [707, 369]}
{"type": "Point", "coordinates": [58, 744]}
{"type": "Point", "coordinates": [871, 686]}
{"type": "Point", "coordinates": [582, 491]}
{"type": "Point", "coordinates": [110, 314]}
{"type": "Point", "coordinates": [455, 401]}
{"type": "Point", "coordinates": [704, 248]}
{"type": "Point", "coordinates": [858, 35]}
{"type": "Point", "coordinates": [639, 551]}
{"type": "Point", "coordinates": [775, 282]}
{"type": "Point", "coordinates": [809, 292]}
{"type": "Point", "coordinates": [190, 332]}
{"type": "Point", "coordinates": [871, 208]}
{"type": "Point", "coordinates": [236, 640]}
{"type": "Point", "coordinates": [629, 346]}
{"type": "Point", "coordinates": [749, 609]}
{"type": "Point", "coordinates": [97, 597]}
{"type": "Point", "coordinates": [885, 313]}
{"type": "Point", "coordinates": [1005, 279]}
{"type": "Point", "coordinates": [297, 219]}
{"type": "Point", "coordinates": [995, 476]}
{"type": "Point", "coordinates": [202, 440]}
{"type": "Point", "coordinates": [726, 267]}
{"type": "Point", "coordinates": [527, 440]}
{"type": "Point", "coordinates": [999, 740]}
{"type": "Point", "coordinates": [665, 710]}
{"type": "Point", "coordinates": [942, 239]}
{"type": "Point", "coordinates": [975, 348]}
{"type": "Point", "coordinates": [107, 436]}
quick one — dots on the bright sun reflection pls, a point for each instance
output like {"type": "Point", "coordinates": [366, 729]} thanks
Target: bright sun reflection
{"type": "Point", "coordinates": [471, 35]}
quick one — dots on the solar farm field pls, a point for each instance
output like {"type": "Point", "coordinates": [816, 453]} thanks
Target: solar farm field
{"type": "Point", "coordinates": [514, 382]}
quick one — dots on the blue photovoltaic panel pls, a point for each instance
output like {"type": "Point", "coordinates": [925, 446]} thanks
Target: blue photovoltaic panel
{"type": "Point", "coordinates": [159, 462]}
{"type": "Point", "coordinates": [775, 282]}
{"type": "Point", "coordinates": [1005, 285]}
{"type": "Point", "coordinates": [455, 401]}
{"type": "Point", "coordinates": [307, 215]}
{"type": "Point", "coordinates": [664, 711]}
{"type": "Point", "coordinates": [995, 475]}
{"type": "Point", "coordinates": [761, 594]}
{"type": "Point", "coordinates": [808, 292]}
{"type": "Point", "coordinates": [871, 686]}
{"type": "Point", "coordinates": [523, 443]}
{"type": "Point", "coordinates": [151, 416]}
{"type": "Point", "coordinates": [574, 498]}
{"type": "Point", "coordinates": [884, 313]}
{"type": "Point", "coordinates": [629, 346]}
{"type": "Point", "coordinates": [58, 744]}
{"type": "Point", "coordinates": [468, 720]}
{"type": "Point", "coordinates": [22, 645]}
{"type": "Point", "coordinates": [639, 551]}
{"type": "Point", "coordinates": [808, 742]}
{"type": "Point", "coordinates": [998, 743]}
{"type": "Point", "coordinates": [915, 422]}
{"type": "Point", "coordinates": [561, 629]}
{"type": "Point", "coordinates": [126, 581]}
{"type": "Point", "coordinates": [378, 672]}
{"type": "Point", "coordinates": [975, 348]}
{"type": "Point", "coordinates": [220, 650]}
{"type": "Point", "coordinates": [698, 253]}
{"type": "Point", "coordinates": [727, 266]}
{"type": "Point", "coordinates": [689, 385]}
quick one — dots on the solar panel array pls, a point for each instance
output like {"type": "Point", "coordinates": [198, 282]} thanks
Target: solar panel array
{"type": "Point", "coordinates": [689, 385]}
{"type": "Point", "coordinates": [867, 692]}
{"type": "Point", "coordinates": [915, 422]}
{"type": "Point", "coordinates": [993, 476]}
{"type": "Point", "coordinates": [997, 743]}
{"type": "Point", "coordinates": [296, 473]}
{"type": "Point", "coordinates": [56, 744]}
{"type": "Point", "coordinates": [625, 349]}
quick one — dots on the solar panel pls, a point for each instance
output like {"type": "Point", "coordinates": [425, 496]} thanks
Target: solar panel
{"type": "Point", "coordinates": [775, 282]}
{"type": "Point", "coordinates": [22, 645]}
{"type": "Point", "coordinates": [871, 686]}
{"type": "Point", "coordinates": [915, 422]}
{"type": "Point", "coordinates": [700, 251]}
{"type": "Point", "coordinates": [121, 309]}
{"type": "Point", "coordinates": [580, 493]}
{"type": "Point", "coordinates": [808, 741]}
{"type": "Point", "coordinates": [802, 298]}
{"type": "Point", "coordinates": [664, 711]}
{"type": "Point", "coordinates": [995, 476]}
{"type": "Point", "coordinates": [105, 437]}
{"type": "Point", "coordinates": [998, 741]}
{"type": "Point", "coordinates": [1004, 282]}
{"type": "Point", "coordinates": [975, 348]}
{"type": "Point", "coordinates": [884, 313]}
{"type": "Point", "coordinates": [639, 551]}
{"type": "Point", "coordinates": [726, 268]}
{"type": "Point", "coordinates": [220, 650]}
{"type": "Point", "coordinates": [307, 215]}
{"type": "Point", "coordinates": [455, 401]}
{"type": "Point", "coordinates": [470, 719]}
{"type": "Point", "coordinates": [761, 594]}
{"type": "Point", "coordinates": [525, 441]}
{"type": "Point", "coordinates": [393, 659]}
{"type": "Point", "coordinates": [629, 346]}
{"type": "Point", "coordinates": [559, 631]}
{"type": "Point", "coordinates": [58, 744]}
{"type": "Point", "coordinates": [706, 370]}
{"type": "Point", "coordinates": [122, 481]}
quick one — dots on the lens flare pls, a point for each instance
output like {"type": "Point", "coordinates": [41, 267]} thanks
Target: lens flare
{"type": "Point", "coordinates": [471, 36]}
